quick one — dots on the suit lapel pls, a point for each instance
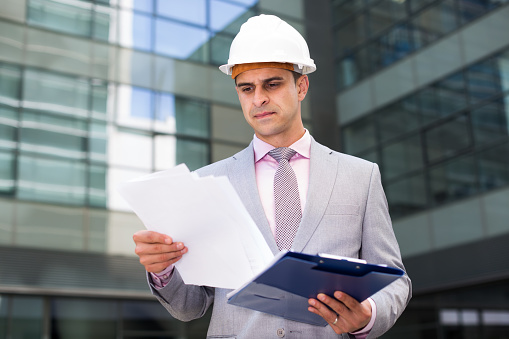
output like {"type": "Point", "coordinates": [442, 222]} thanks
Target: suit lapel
{"type": "Point", "coordinates": [241, 172]}
{"type": "Point", "coordinates": [322, 175]}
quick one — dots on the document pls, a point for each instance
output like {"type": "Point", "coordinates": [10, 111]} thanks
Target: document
{"type": "Point", "coordinates": [283, 289]}
{"type": "Point", "coordinates": [226, 248]}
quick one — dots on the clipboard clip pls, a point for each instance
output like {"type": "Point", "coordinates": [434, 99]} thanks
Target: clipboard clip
{"type": "Point", "coordinates": [338, 257]}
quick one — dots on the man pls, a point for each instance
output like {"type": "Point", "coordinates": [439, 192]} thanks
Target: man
{"type": "Point", "coordinates": [341, 206]}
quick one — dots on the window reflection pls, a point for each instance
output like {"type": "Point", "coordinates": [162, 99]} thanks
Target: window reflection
{"type": "Point", "coordinates": [193, 11]}
{"type": "Point", "coordinates": [399, 118]}
{"type": "Point", "coordinates": [80, 318]}
{"type": "Point", "coordinates": [48, 180]}
{"type": "Point", "coordinates": [69, 17]}
{"type": "Point", "coordinates": [55, 93]}
{"type": "Point", "coordinates": [453, 180]}
{"type": "Point", "coordinates": [135, 30]}
{"type": "Point", "coordinates": [490, 122]}
{"type": "Point", "coordinates": [483, 80]}
{"type": "Point", "coordinates": [448, 139]}
{"type": "Point", "coordinates": [26, 317]}
{"type": "Point", "coordinates": [494, 167]}
{"type": "Point", "coordinates": [450, 94]}
{"type": "Point", "coordinates": [407, 195]}
{"type": "Point", "coordinates": [181, 41]}
{"type": "Point", "coordinates": [359, 136]}
{"type": "Point", "coordinates": [402, 157]}
{"type": "Point", "coordinates": [227, 17]}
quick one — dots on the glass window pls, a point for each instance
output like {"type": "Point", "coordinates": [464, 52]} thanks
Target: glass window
{"type": "Point", "coordinates": [135, 30]}
{"type": "Point", "coordinates": [6, 172]}
{"type": "Point", "coordinates": [146, 317]}
{"type": "Point", "coordinates": [494, 167]}
{"type": "Point", "coordinates": [193, 153]}
{"type": "Point", "coordinates": [53, 135]}
{"type": "Point", "coordinates": [98, 141]}
{"type": "Point", "coordinates": [9, 85]}
{"type": "Point", "coordinates": [8, 127]}
{"type": "Point", "coordinates": [428, 105]}
{"type": "Point", "coordinates": [105, 24]}
{"type": "Point", "coordinates": [350, 35]}
{"type": "Point", "coordinates": [220, 48]}
{"type": "Point", "coordinates": [490, 122]}
{"type": "Point", "coordinates": [453, 180]}
{"type": "Point", "coordinates": [130, 149]}
{"type": "Point", "coordinates": [402, 157]}
{"type": "Point", "coordinates": [82, 318]}
{"type": "Point", "coordinates": [342, 9]}
{"type": "Point", "coordinates": [448, 139]}
{"type": "Point", "coordinates": [193, 11]}
{"type": "Point", "coordinates": [165, 113]}
{"type": "Point", "coordinates": [384, 14]}
{"type": "Point", "coordinates": [97, 196]}
{"type": "Point", "coordinates": [100, 96]}
{"type": "Point", "coordinates": [69, 17]}
{"type": "Point", "coordinates": [181, 41]}
{"type": "Point", "coordinates": [192, 117]}
{"type": "Point", "coordinates": [483, 80]}
{"type": "Point", "coordinates": [55, 93]}
{"type": "Point", "coordinates": [135, 107]}
{"type": "Point", "coordinates": [27, 317]}
{"type": "Point", "coordinates": [434, 22]}
{"type": "Point", "coordinates": [4, 309]}
{"type": "Point", "coordinates": [472, 9]}
{"type": "Point", "coordinates": [355, 67]}
{"type": "Point", "coordinates": [450, 94]}
{"type": "Point", "coordinates": [391, 47]}
{"type": "Point", "coordinates": [407, 195]}
{"type": "Point", "coordinates": [398, 118]}
{"type": "Point", "coordinates": [359, 136]}
{"type": "Point", "coordinates": [138, 5]}
{"type": "Point", "coordinates": [57, 181]}
{"type": "Point", "coordinates": [228, 17]}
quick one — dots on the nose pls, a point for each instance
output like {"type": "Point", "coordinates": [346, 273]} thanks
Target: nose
{"type": "Point", "coordinates": [260, 97]}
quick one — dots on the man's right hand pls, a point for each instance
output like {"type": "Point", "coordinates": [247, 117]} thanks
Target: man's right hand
{"type": "Point", "coordinates": [157, 251]}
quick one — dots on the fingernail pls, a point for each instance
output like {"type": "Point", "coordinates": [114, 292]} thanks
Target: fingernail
{"type": "Point", "coordinates": [180, 246]}
{"type": "Point", "coordinates": [321, 297]}
{"type": "Point", "coordinates": [168, 241]}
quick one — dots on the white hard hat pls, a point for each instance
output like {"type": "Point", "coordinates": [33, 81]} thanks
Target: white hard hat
{"type": "Point", "coordinates": [267, 38]}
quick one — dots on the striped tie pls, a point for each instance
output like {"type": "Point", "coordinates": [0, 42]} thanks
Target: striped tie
{"type": "Point", "coordinates": [286, 198]}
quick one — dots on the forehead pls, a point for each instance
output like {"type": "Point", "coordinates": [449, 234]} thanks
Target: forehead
{"type": "Point", "coordinates": [262, 74]}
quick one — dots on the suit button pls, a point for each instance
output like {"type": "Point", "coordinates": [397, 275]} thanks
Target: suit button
{"type": "Point", "coordinates": [280, 332]}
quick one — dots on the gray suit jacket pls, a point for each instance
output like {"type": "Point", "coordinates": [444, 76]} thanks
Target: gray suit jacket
{"type": "Point", "coordinates": [346, 214]}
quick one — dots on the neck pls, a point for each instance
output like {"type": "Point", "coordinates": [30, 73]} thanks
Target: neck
{"type": "Point", "coordinates": [282, 140]}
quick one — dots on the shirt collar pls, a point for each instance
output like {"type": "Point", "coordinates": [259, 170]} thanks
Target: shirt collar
{"type": "Point", "coordinates": [301, 146]}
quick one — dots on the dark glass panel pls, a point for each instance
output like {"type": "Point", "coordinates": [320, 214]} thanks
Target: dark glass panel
{"type": "Point", "coordinates": [494, 167]}
{"type": "Point", "coordinates": [407, 195]}
{"type": "Point", "coordinates": [453, 180]}
{"type": "Point", "coordinates": [447, 139]}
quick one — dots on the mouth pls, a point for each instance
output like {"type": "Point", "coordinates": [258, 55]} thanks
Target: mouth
{"type": "Point", "coordinates": [262, 115]}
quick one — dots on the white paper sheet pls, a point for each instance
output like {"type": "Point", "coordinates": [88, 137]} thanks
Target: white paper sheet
{"type": "Point", "coordinates": [226, 248]}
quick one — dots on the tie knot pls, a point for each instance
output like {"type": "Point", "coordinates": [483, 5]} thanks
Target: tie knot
{"type": "Point", "coordinates": [281, 153]}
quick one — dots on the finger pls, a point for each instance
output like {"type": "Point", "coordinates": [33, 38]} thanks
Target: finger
{"type": "Point", "coordinates": [148, 248]}
{"type": "Point", "coordinates": [151, 237]}
{"type": "Point", "coordinates": [347, 300]}
{"type": "Point", "coordinates": [158, 262]}
{"type": "Point", "coordinates": [336, 305]}
{"type": "Point", "coordinates": [320, 309]}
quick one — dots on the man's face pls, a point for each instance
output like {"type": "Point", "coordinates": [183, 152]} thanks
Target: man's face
{"type": "Point", "coordinates": [270, 100]}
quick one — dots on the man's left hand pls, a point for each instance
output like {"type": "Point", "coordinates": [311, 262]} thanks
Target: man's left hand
{"type": "Point", "coordinates": [344, 314]}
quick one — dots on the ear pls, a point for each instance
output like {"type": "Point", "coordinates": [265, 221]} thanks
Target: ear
{"type": "Point", "coordinates": [302, 87]}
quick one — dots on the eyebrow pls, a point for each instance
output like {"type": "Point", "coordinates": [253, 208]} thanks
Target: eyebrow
{"type": "Point", "coordinates": [264, 81]}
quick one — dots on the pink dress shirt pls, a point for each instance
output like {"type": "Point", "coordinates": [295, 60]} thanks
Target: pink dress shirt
{"type": "Point", "coordinates": [265, 168]}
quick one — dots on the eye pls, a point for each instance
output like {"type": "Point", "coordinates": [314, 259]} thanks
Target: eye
{"type": "Point", "coordinates": [273, 85]}
{"type": "Point", "coordinates": [246, 89]}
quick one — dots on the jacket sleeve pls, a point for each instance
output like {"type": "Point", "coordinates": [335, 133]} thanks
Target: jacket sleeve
{"type": "Point", "coordinates": [183, 302]}
{"type": "Point", "coordinates": [379, 245]}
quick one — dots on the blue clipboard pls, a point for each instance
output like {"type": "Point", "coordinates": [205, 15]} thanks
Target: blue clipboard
{"type": "Point", "coordinates": [283, 289]}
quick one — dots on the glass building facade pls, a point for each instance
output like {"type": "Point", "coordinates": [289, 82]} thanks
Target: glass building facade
{"type": "Point", "coordinates": [93, 93]}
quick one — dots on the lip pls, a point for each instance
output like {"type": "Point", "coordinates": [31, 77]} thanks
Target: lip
{"type": "Point", "coordinates": [262, 115]}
